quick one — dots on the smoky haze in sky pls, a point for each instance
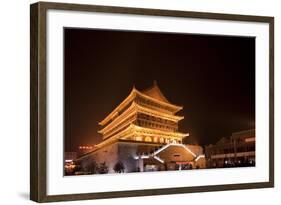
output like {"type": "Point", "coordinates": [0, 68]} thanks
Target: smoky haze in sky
{"type": "Point", "coordinates": [212, 77]}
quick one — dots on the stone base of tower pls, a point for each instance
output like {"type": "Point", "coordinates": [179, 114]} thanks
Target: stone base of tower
{"type": "Point", "coordinates": [142, 157]}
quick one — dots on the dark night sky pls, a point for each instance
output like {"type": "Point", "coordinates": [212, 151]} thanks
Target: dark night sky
{"type": "Point", "coordinates": [212, 77]}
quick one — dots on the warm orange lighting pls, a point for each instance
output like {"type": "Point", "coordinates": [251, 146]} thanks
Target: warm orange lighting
{"type": "Point", "coordinates": [132, 110]}
{"type": "Point", "coordinates": [143, 116]}
{"type": "Point", "coordinates": [138, 138]}
{"type": "Point", "coordinates": [155, 139]}
{"type": "Point", "coordinates": [134, 93]}
{"type": "Point", "coordinates": [250, 139]}
{"type": "Point", "coordinates": [148, 139]}
{"type": "Point", "coordinates": [85, 147]}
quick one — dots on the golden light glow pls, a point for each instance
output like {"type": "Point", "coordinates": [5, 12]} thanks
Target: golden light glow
{"type": "Point", "coordinates": [133, 110]}
{"type": "Point", "coordinates": [155, 139]}
{"type": "Point", "coordinates": [134, 130]}
{"type": "Point", "coordinates": [147, 139]}
{"type": "Point", "coordinates": [85, 147]}
{"type": "Point", "coordinates": [130, 98]}
{"type": "Point", "coordinates": [138, 138]}
{"type": "Point", "coordinates": [146, 119]}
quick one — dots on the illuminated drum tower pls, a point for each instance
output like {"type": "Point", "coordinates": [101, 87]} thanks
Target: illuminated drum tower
{"type": "Point", "coordinates": [142, 133]}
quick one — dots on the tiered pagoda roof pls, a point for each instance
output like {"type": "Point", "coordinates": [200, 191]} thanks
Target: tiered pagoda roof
{"type": "Point", "coordinates": [150, 108]}
{"type": "Point", "coordinates": [152, 94]}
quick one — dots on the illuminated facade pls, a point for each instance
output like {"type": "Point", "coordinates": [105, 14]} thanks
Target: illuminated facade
{"type": "Point", "coordinates": [84, 149]}
{"type": "Point", "coordinates": [143, 116]}
{"type": "Point", "coordinates": [238, 150]}
{"type": "Point", "coordinates": [142, 132]}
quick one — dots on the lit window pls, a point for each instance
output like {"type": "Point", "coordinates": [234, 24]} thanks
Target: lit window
{"type": "Point", "coordinates": [161, 140]}
{"type": "Point", "coordinates": [138, 138]}
{"type": "Point", "coordinates": [148, 139]}
{"type": "Point", "coordinates": [155, 139]}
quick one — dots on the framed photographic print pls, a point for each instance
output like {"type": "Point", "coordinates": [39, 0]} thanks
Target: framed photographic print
{"type": "Point", "coordinates": [134, 102]}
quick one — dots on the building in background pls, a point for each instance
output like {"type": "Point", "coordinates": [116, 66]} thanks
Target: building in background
{"type": "Point", "coordinates": [238, 150]}
{"type": "Point", "coordinates": [84, 149]}
{"type": "Point", "coordinates": [141, 134]}
{"type": "Point", "coordinates": [69, 165]}
{"type": "Point", "coordinates": [70, 156]}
